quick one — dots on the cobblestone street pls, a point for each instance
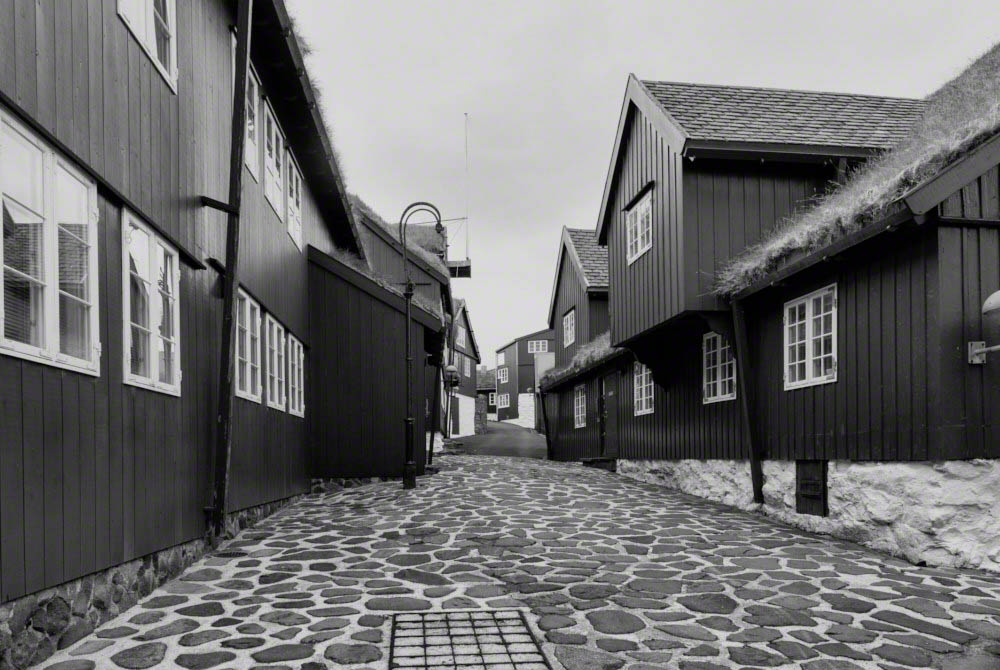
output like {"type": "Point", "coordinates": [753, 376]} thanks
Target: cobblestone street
{"type": "Point", "coordinates": [608, 573]}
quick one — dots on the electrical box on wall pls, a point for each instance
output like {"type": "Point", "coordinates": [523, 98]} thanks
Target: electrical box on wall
{"type": "Point", "coordinates": [810, 488]}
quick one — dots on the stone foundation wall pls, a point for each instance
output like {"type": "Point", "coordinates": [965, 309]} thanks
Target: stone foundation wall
{"type": "Point", "coordinates": [33, 627]}
{"type": "Point", "coordinates": [481, 414]}
{"type": "Point", "coordinates": [940, 513]}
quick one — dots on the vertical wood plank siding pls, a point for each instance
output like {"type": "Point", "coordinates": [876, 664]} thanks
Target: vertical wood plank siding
{"type": "Point", "coordinates": [571, 443]}
{"type": "Point", "coordinates": [570, 294]}
{"type": "Point", "coordinates": [979, 199]}
{"type": "Point", "coordinates": [94, 472]}
{"type": "Point", "coordinates": [511, 385]}
{"type": "Point", "coordinates": [650, 290]}
{"type": "Point", "coordinates": [353, 373]}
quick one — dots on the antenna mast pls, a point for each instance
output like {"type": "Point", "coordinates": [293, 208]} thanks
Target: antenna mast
{"type": "Point", "coordinates": [467, 185]}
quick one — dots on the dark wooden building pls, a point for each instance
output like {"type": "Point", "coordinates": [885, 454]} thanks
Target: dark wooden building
{"type": "Point", "coordinates": [699, 174]}
{"type": "Point", "coordinates": [463, 353]}
{"type": "Point", "coordinates": [578, 308]}
{"type": "Point", "coordinates": [486, 386]}
{"type": "Point", "coordinates": [112, 143]}
{"type": "Point", "coordinates": [517, 376]}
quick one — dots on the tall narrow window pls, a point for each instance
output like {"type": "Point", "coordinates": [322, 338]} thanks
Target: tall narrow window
{"type": "Point", "coordinates": [639, 228]}
{"type": "Point", "coordinates": [468, 366]}
{"type": "Point", "coordinates": [49, 278]}
{"type": "Point", "coordinates": [492, 399]}
{"type": "Point", "coordinates": [718, 370]}
{"type": "Point", "coordinates": [152, 312]}
{"type": "Point", "coordinates": [153, 23]}
{"type": "Point", "coordinates": [296, 377]}
{"type": "Point", "coordinates": [501, 358]}
{"type": "Point", "coordinates": [294, 201]}
{"type": "Point", "coordinates": [642, 382]}
{"type": "Point", "coordinates": [274, 159]}
{"type": "Point", "coordinates": [248, 382]}
{"type": "Point", "coordinates": [276, 373]}
{"type": "Point", "coordinates": [569, 327]}
{"type": "Point", "coordinates": [502, 375]}
{"type": "Point", "coordinates": [251, 152]}
{"type": "Point", "coordinates": [459, 336]}
{"type": "Point", "coordinates": [810, 342]}
{"type": "Point", "coordinates": [580, 406]}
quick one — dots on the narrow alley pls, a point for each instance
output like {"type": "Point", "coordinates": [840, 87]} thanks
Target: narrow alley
{"type": "Point", "coordinates": [608, 573]}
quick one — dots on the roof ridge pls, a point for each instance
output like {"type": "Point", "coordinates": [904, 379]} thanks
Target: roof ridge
{"type": "Point", "coordinates": [738, 87]}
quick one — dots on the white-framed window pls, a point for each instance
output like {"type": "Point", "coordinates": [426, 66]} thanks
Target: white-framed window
{"type": "Point", "coordinates": [274, 162]}
{"type": "Point", "coordinates": [150, 298]}
{"type": "Point", "coordinates": [293, 216]}
{"type": "Point", "coordinates": [468, 366]}
{"type": "Point", "coordinates": [49, 270]}
{"type": "Point", "coordinates": [642, 389]}
{"type": "Point", "coordinates": [810, 341]}
{"type": "Point", "coordinates": [639, 228]}
{"type": "Point", "coordinates": [492, 400]}
{"type": "Point", "coordinates": [248, 316]}
{"type": "Point", "coordinates": [296, 377]}
{"type": "Point", "coordinates": [501, 358]}
{"type": "Point", "coordinates": [251, 152]}
{"type": "Point", "coordinates": [275, 334]}
{"type": "Point", "coordinates": [154, 24]}
{"type": "Point", "coordinates": [718, 369]}
{"type": "Point", "coordinates": [538, 346]}
{"type": "Point", "coordinates": [503, 400]}
{"type": "Point", "coordinates": [580, 406]}
{"type": "Point", "coordinates": [459, 336]}
{"type": "Point", "coordinates": [569, 327]}
{"type": "Point", "coordinates": [502, 375]}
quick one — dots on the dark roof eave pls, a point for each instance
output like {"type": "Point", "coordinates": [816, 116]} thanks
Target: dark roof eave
{"type": "Point", "coordinates": [522, 337]}
{"type": "Point", "coordinates": [587, 369]}
{"type": "Point", "coordinates": [810, 153]}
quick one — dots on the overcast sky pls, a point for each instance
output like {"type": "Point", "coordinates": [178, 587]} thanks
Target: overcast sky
{"type": "Point", "coordinates": [542, 83]}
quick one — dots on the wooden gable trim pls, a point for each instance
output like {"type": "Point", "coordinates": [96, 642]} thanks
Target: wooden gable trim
{"type": "Point", "coordinates": [637, 99]}
{"type": "Point", "coordinates": [792, 153]}
{"type": "Point", "coordinates": [566, 248]}
{"type": "Point", "coordinates": [936, 190]}
{"type": "Point", "coordinates": [516, 340]}
{"type": "Point", "coordinates": [373, 288]}
{"type": "Point", "coordinates": [464, 312]}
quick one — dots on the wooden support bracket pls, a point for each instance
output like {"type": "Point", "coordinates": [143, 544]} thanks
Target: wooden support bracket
{"type": "Point", "coordinates": [743, 373]}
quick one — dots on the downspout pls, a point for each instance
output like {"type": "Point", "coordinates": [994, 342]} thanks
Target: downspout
{"type": "Point", "coordinates": [227, 367]}
{"type": "Point", "coordinates": [743, 370]}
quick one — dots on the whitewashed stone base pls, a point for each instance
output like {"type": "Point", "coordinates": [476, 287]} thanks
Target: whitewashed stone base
{"type": "Point", "coordinates": [438, 442]}
{"type": "Point", "coordinates": [491, 417]}
{"type": "Point", "coordinates": [525, 411]}
{"type": "Point", "coordinates": [466, 409]}
{"type": "Point", "coordinates": [941, 513]}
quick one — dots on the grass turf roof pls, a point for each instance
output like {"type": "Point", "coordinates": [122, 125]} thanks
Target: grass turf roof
{"type": "Point", "coordinates": [596, 351]}
{"type": "Point", "coordinates": [960, 116]}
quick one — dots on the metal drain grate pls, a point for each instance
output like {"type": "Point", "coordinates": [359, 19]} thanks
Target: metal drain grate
{"type": "Point", "coordinates": [473, 640]}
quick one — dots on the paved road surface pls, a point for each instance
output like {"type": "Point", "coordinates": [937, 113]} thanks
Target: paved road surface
{"type": "Point", "coordinates": [611, 575]}
{"type": "Point", "coordinates": [505, 439]}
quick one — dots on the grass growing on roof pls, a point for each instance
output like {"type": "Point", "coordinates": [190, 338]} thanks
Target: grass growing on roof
{"type": "Point", "coordinates": [357, 264]}
{"type": "Point", "coordinates": [591, 353]}
{"type": "Point", "coordinates": [959, 116]}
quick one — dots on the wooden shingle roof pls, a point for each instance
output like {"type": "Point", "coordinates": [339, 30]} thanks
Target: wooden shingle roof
{"type": "Point", "coordinates": [593, 257]}
{"type": "Point", "coordinates": [780, 116]}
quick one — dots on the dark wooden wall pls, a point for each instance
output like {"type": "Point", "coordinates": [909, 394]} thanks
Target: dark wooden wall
{"type": "Point", "coordinates": [979, 199]}
{"type": "Point", "coordinates": [650, 290]}
{"type": "Point", "coordinates": [357, 390]}
{"type": "Point", "coordinates": [600, 319]}
{"type": "Point", "coordinates": [526, 361]}
{"type": "Point", "coordinates": [570, 443]}
{"type": "Point", "coordinates": [386, 259]}
{"type": "Point", "coordinates": [511, 385]}
{"type": "Point", "coordinates": [730, 205]}
{"type": "Point", "coordinates": [570, 294]}
{"type": "Point", "coordinates": [467, 387]}
{"type": "Point", "coordinates": [94, 472]}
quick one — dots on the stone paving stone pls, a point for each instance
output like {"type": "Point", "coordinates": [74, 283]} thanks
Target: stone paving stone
{"type": "Point", "coordinates": [610, 574]}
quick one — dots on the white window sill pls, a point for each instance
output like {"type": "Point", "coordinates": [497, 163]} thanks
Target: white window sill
{"type": "Point", "coordinates": [301, 414]}
{"type": "Point", "coordinates": [278, 406]}
{"type": "Point", "coordinates": [60, 361]}
{"type": "Point", "coordinates": [247, 396]}
{"type": "Point", "coordinates": [152, 386]}
{"type": "Point", "coordinates": [170, 78]}
{"type": "Point", "coordinates": [639, 254]}
{"type": "Point", "coordinates": [274, 207]}
{"type": "Point", "coordinates": [643, 412]}
{"type": "Point", "coordinates": [810, 382]}
{"type": "Point", "coordinates": [712, 401]}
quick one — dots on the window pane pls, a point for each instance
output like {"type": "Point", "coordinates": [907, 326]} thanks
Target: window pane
{"type": "Point", "coordinates": [22, 167]}
{"type": "Point", "coordinates": [73, 264]}
{"type": "Point", "coordinates": [138, 252]}
{"type": "Point", "coordinates": [166, 361]}
{"type": "Point", "coordinates": [22, 240]}
{"type": "Point", "coordinates": [139, 353]}
{"type": "Point", "coordinates": [22, 300]}
{"type": "Point", "coordinates": [165, 262]}
{"type": "Point", "coordinates": [74, 327]}
{"type": "Point", "coordinates": [138, 302]}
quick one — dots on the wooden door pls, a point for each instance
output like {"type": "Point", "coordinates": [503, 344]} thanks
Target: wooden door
{"type": "Point", "coordinates": [609, 415]}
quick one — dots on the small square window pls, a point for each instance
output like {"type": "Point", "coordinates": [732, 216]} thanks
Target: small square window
{"type": "Point", "coordinates": [639, 228]}
{"type": "Point", "coordinates": [502, 375]}
{"type": "Point", "coordinates": [642, 380]}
